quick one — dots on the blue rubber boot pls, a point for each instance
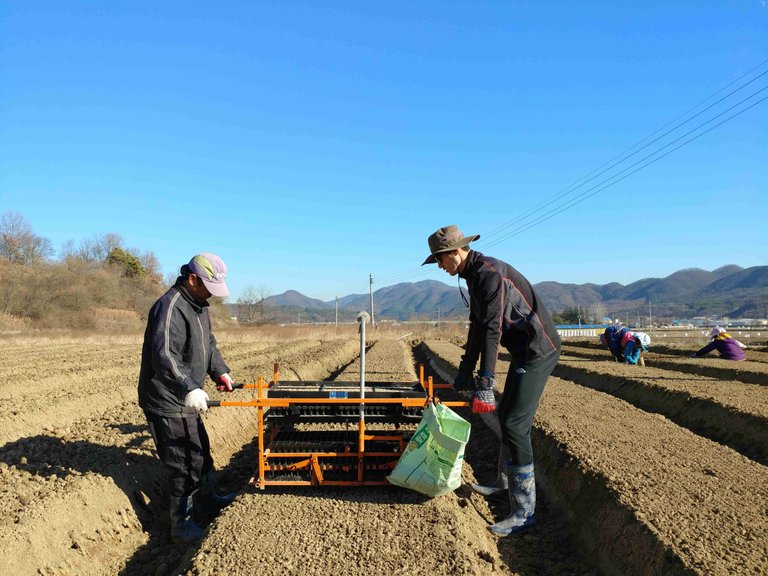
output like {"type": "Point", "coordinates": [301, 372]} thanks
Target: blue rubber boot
{"type": "Point", "coordinates": [183, 527]}
{"type": "Point", "coordinates": [207, 501]}
{"type": "Point", "coordinates": [522, 500]}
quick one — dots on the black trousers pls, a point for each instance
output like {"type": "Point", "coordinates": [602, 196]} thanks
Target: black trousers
{"type": "Point", "coordinates": [522, 391]}
{"type": "Point", "coordinates": [183, 446]}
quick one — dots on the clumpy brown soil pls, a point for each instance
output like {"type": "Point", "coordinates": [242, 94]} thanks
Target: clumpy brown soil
{"type": "Point", "coordinates": [728, 411]}
{"type": "Point", "coordinates": [375, 530]}
{"type": "Point", "coordinates": [627, 485]}
{"type": "Point", "coordinates": [644, 495]}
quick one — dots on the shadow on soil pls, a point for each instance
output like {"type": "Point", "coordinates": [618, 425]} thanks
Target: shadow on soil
{"type": "Point", "coordinates": [547, 548]}
{"type": "Point", "coordinates": [50, 455]}
{"type": "Point", "coordinates": [142, 477]}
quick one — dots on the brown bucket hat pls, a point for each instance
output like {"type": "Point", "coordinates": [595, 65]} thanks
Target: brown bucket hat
{"type": "Point", "coordinates": [447, 239]}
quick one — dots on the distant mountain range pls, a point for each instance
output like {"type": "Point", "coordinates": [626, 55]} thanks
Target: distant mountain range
{"type": "Point", "coordinates": [727, 291]}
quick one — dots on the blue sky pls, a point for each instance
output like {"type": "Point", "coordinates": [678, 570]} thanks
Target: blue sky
{"type": "Point", "coordinates": [313, 143]}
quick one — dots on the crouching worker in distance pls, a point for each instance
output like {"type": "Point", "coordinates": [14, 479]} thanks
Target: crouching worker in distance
{"type": "Point", "coordinates": [728, 347]}
{"type": "Point", "coordinates": [179, 352]}
{"type": "Point", "coordinates": [626, 346]}
{"type": "Point", "coordinates": [504, 310]}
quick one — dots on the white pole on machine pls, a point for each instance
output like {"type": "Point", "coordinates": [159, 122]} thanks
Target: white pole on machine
{"type": "Point", "coordinates": [362, 317]}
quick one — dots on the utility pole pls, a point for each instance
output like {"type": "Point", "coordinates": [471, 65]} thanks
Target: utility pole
{"type": "Point", "coordinates": [650, 314]}
{"type": "Point", "coordinates": [373, 320]}
{"type": "Point", "coordinates": [337, 311]}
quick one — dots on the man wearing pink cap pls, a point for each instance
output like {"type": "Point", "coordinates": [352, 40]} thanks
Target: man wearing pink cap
{"type": "Point", "coordinates": [179, 352]}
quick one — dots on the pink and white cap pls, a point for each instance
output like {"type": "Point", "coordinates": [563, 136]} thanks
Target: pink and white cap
{"type": "Point", "coordinates": [716, 331]}
{"type": "Point", "coordinates": [212, 271]}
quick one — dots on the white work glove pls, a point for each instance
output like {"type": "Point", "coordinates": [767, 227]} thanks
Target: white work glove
{"type": "Point", "coordinates": [196, 400]}
{"type": "Point", "coordinates": [224, 383]}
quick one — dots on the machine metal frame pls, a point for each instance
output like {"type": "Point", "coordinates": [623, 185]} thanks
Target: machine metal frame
{"type": "Point", "coordinates": [361, 457]}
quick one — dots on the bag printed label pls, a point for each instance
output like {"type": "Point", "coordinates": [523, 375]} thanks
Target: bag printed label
{"type": "Point", "coordinates": [419, 438]}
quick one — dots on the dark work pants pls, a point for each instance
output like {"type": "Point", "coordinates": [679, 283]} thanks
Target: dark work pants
{"type": "Point", "coordinates": [182, 445]}
{"type": "Point", "coordinates": [522, 392]}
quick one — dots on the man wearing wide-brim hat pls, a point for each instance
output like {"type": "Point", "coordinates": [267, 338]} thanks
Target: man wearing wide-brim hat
{"type": "Point", "coordinates": [505, 310]}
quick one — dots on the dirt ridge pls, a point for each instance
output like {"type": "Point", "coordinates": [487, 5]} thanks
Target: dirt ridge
{"type": "Point", "coordinates": [83, 491]}
{"type": "Point", "coordinates": [681, 504]}
{"type": "Point", "coordinates": [741, 422]}
{"type": "Point", "coordinates": [749, 372]}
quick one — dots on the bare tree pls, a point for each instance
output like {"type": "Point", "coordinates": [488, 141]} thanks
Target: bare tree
{"type": "Point", "coordinates": [97, 249]}
{"type": "Point", "coordinates": [18, 243]}
{"type": "Point", "coordinates": [250, 305]}
{"type": "Point", "coordinates": [68, 251]}
{"type": "Point", "coordinates": [247, 306]}
{"type": "Point", "coordinates": [94, 250]}
{"type": "Point", "coordinates": [263, 292]}
{"type": "Point", "coordinates": [150, 263]}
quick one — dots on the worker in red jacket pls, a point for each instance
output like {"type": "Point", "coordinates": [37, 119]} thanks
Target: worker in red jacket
{"type": "Point", "coordinates": [505, 310]}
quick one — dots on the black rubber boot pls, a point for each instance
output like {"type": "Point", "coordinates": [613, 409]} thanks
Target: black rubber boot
{"type": "Point", "coordinates": [183, 527]}
{"type": "Point", "coordinates": [207, 501]}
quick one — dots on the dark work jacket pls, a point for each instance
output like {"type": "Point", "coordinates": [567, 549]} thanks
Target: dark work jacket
{"type": "Point", "coordinates": [505, 310]}
{"type": "Point", "coordinates": [613, 336]}
{"type": "Point", "coordinates": [179, 351]}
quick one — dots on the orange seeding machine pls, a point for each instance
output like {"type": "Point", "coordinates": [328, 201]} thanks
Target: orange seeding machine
{"type": "Point", "coordinates": [364, 434]}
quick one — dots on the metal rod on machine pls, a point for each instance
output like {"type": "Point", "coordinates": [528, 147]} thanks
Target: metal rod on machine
{"type": "Point", "coordinates": [362, 318]}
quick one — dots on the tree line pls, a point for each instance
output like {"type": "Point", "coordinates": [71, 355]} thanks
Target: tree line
{"type": "Point", "coordinates": [98, 283]}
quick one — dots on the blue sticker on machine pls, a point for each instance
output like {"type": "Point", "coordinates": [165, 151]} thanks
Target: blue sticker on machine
{"type": "Point", "coordinates": [338, 395]}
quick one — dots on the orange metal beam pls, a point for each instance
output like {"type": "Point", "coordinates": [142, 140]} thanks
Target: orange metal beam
{"type": "Point", "coordinates": [325, 454]}
{"type": "Point", "coordinates": [311, 459]}
{"type": "Point", "coordinates": [317, 473]}
{"type": "Point", "coordinates": [325, 483]}
{"type": "Point", "coordinates": [285, 402]}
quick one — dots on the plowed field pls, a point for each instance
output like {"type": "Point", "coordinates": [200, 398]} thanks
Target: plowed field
{"type": "Point", "coordinates": [654, 470]}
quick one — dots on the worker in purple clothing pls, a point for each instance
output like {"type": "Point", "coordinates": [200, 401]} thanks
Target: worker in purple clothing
{"type": "Point", "coordinates": [728, 347]}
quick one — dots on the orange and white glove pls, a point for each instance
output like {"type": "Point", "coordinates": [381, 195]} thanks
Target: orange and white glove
{"type": "Point", "coordinates": [225, 383]}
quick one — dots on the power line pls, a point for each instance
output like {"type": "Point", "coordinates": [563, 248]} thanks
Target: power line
{"type": "Point", "coordinates": [419, 272]}
{"type": "Point", "coordinates": [581, 182]}
{"type": "Point", "coordinates": [583, 196]}
{"type": "Point", "coordinates": [407, 275]}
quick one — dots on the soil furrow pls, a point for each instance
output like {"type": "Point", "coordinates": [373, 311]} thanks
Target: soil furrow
{"type": "Point", "coordinates": [744, 371]}
{"type": "Point", "coordinates": [357, 531]}
{"type": "Point", "coordinates": [86, 495]}
{"type": "Point", "coordinates": [643, 495]}
{"type": "Point", "coordinates": [732, 413]}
